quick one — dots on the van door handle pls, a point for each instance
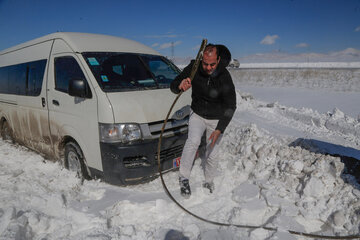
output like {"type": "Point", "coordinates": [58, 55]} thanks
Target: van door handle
{"type": "Point", "coordinates": [56, 102]}
{"type": "Point", "coordinates": [43, 103]}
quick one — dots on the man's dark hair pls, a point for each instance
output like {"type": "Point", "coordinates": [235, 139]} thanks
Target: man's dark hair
{"type": "Point", "coordinates": [211, 48]}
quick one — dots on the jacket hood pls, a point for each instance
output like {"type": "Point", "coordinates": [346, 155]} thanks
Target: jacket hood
{"type": "Point", "coordinates": [225, 55]}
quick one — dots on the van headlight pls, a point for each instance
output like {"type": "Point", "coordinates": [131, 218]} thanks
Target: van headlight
{"type": "Point", "coordinates": [125, 133]}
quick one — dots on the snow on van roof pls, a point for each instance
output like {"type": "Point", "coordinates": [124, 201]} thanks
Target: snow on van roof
{"type": "Point", "coordinates": [89, 42]}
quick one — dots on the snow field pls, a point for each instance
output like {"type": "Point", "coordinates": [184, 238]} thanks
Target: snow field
{"type": "Point", "coordinates": [338, 79]}
{"type": "Point", "coordinates": [261, 180]}
{"type": "Point", "coordinates": [270, 173]}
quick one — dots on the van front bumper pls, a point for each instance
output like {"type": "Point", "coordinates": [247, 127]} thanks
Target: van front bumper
{"type": "Point", "coordinates": [137, 163]}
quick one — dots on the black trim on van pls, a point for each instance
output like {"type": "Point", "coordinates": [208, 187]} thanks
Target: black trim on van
{"type": "Point", "coordinates": [8, 102]}
{"type": "Point", "coordinates": [137, 163]}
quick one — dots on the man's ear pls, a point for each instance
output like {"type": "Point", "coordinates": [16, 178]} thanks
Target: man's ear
{"type": "Point", "coordinates": [219, 59]}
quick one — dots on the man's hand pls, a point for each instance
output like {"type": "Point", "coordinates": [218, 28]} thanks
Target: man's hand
{"type": "Point", "coordinates": [185, 84]}
{"type": "Point", "coordinates": [214, 137]}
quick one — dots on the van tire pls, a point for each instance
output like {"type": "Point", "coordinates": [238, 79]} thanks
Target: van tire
{"type": "Point", "coordinates": [75, 161]}
{"type": "Point", "coordinates": [6, 132]}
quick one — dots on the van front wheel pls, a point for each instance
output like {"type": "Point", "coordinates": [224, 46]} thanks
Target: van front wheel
{"type": "Point", "coordinates": [75, 161]}
{"type": "Point", "coordinates": [6, 132]}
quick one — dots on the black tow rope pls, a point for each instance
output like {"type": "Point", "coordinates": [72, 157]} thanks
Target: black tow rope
{"type": "Point", "coordinates": [193, 71]}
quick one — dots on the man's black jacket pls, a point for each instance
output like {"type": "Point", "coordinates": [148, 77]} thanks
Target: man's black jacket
{"type": "Point", "coordinates": [213, 97]}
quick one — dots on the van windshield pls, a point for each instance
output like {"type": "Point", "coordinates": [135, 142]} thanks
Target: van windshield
{"type": "Point", "coordinates": [127, 71]}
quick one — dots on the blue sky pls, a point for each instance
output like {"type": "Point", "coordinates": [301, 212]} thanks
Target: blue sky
{"type": "Point", "coordinates": [246, 27]}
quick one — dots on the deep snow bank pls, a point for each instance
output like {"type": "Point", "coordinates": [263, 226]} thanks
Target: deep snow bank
{"type": "Point", "coordinates": [287, 186]}
{"type": "Point", "coordinates": [261, 181]}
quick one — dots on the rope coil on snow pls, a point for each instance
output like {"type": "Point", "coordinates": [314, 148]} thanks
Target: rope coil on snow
{"type": "Point", "coordinates": [219, 223]}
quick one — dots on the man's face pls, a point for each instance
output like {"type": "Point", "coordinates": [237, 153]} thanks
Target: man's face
{"type": "Point", "coordinates": [210, 62]}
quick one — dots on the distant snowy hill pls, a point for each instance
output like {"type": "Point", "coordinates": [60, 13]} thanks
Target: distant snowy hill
{"type": "Point", "coordinates": [347, 55]}
{"type": "Point", "coordinates": [306, 59]}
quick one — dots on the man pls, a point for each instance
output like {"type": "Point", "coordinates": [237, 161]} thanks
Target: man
{"type": "Point", "coordinates": [212, 107]}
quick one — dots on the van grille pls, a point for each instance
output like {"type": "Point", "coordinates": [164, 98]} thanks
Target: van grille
{"type": "Point", "coordinates": [170, 153]}
{"type": "Point", "coordinates": [172, 127]}
{"type": "Point", "coordinates": [136, 161]}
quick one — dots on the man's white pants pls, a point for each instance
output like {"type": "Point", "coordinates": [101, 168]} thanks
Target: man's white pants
{"type": "Point", "coordinates": [197, 126]}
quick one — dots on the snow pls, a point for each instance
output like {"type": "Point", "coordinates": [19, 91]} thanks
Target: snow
{"type": "Point", "coordinates": [349, 55]}
{"type": "Point", "coordinates": [273, 171]}
{"type": "Point", "coordinates": [326, 100]}
{"type": "Point", "coordinates": [302, 65]}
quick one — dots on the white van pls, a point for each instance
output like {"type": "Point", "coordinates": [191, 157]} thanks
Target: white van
{"type": "Point", "coordinates": [95, 102]}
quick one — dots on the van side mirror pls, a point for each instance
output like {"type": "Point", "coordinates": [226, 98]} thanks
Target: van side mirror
{"type": "Point", "coordinates": [78, 88]}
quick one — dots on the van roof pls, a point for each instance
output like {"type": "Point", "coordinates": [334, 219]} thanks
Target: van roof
{"type": "Point", "coordinates": [89, 42]}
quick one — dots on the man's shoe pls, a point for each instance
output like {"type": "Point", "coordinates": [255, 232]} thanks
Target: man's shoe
{"type": "Point", "coordinates": [184, 187]}
{"type": "Point", "coordinates": [209, 186]}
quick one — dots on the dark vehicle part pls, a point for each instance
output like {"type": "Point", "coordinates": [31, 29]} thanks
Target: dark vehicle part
{"type": "Point", "coordinates": [6, 132]}
{"type": "Point", "coordinates": [234, 63]}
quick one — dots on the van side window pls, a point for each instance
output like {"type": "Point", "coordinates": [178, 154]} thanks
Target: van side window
{"type": "Point", "coordinates": [66, 69]}
{"type": "Point", "coordinates": [161, 68]}
{"type": "Point", "coordinates": [3, 80]}
{"type": "Point", "coordinates": [17, 79]}
{"type": "Point", "coordinates": [35, 75]}
{"type": "Point", "coordinates": [23, 79]}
